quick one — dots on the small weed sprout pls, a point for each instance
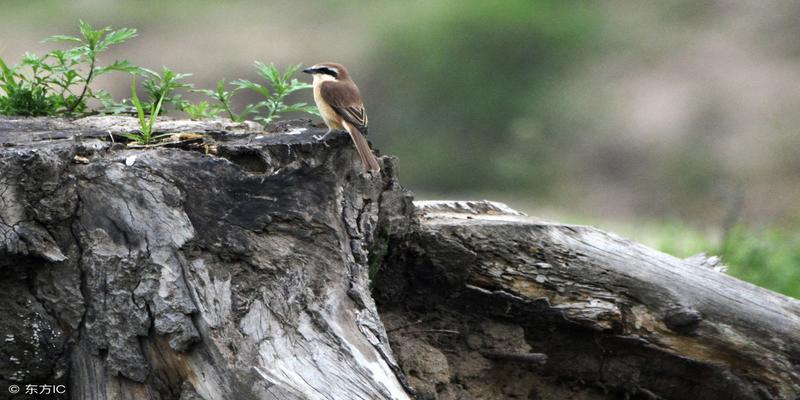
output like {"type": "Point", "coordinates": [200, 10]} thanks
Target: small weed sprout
{"type": "Point", "coordinates": [201, 110]}
{"type": "Point", "coordinates": [145, 135]}
{"type": "Point", "coordinates": [156, 84]}
{"type": "Point", "coordinates": [282, 84]}
{"type": "Point", "coordinates": [224, 98]}
{"type": "Point", "coordinates": [163, 87]}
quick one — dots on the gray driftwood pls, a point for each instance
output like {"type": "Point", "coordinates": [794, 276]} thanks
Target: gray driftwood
{"type": "Point", "coordinates": [236, 266]}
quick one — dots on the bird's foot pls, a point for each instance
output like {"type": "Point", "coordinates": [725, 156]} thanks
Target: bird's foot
{"type": "Point", "coordinates": [322, 138]}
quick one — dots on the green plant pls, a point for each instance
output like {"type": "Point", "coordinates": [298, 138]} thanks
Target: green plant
{"type": "Point", "coordinates": [281, 85]}
{"type": "Point", "coordinates": [21, 99]}
{"type": "Point", "coordinates": [59, 83]}
{"type": "Point", "coordinates": [163, 86]}
{"type": "Point", "coordinates": [161, 89]}
{"type": "Point", "coordinates": [224, 98]}
{"type": "Point", "coordinates": [157, 86]}
{"type": "Point", "coordinates": [145, 135]}
{"type": "Point", "coordinates": [768, 257]}
{"type": "Point", "coordinates": [90, 45]}
{"type": "Point", "coordinates": [48, 88]}
{"type": "Point", "coordinates": [201, 110]}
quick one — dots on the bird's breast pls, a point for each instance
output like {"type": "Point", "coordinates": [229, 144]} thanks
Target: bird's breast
{"type": "Point", "coordinates": [329, 115]}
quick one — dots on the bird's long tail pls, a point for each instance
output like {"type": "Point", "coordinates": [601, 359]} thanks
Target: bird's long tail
{"type": "Point", "coordinates": [369, 160]}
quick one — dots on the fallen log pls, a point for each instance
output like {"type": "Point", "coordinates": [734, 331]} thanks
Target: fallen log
{"type": "Point", "coordinates": [612, 316]}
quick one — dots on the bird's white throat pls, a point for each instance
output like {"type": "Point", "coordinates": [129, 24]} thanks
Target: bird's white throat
{"type": "Point", "coordinates": [319, 78]}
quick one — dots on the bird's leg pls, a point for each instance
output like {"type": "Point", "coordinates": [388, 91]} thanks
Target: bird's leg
{"type": "Point", "coordinates": [330, 131]}
{"type": "Point", "coordinates": [325, 136]}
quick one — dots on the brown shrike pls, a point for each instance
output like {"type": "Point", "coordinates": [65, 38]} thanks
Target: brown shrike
{"type": "Point", "coordinates": [340, 105]}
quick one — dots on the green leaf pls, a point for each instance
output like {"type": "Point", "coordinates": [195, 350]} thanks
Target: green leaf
{"type": "Point", "coordinates": [154, 115]}
{"type": "Point", "coordinates": [252, 108]}
{"type": "Point", "coordinates": [7, 76]}
{"type": "Point", "coordinates": [139, 109]}
{"type": "Point", "coordinates": [264, 121]}
{"type": "Point", "coordinates": [121, 66]}
{"type": "Point", "coordinates": [291, 71]}
{"type": "Point", "coordinates": [269, 72]}
{"type": "Point", "coordinates": [207, 92]}
{"type": "Point", "coordinates": [133, 136]}
{"type": "Point", "coordinates": [295, 86]}
{"type": "Point", "coordinates": [62, 38]}
{"type": "Point", "coordinates": [92, 36]}
{"type": "Point", "coordinates": [116, 37]}
{"type": "Point", "coordinates": [109, 105]}
{"type": "Point", "coordinates": [301, 107]}
{"type": "Point", "coordinates": [245, 84]}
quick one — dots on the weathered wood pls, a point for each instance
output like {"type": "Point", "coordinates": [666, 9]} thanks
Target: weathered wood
{"type": "Point", "coordinates": [235, 266]}
{"type": "Point", "coordinates": [158, 273]}
{"type": "Point", "coordinates": [603, 309]}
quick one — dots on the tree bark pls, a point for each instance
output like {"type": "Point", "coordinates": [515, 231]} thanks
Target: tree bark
{"type": "Point", "coordinates": [614, 318]}
{"type": "Point", "coordinates": [165, 273]}
{"type": "Point", "coordinates": [237, 264]}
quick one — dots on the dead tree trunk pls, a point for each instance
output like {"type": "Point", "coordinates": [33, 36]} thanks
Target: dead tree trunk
{"type": "Point", "coordinates": [614, 318]}
{"type": "Point", "coordinates": [162, 273]}
{"type": "Point", "coordinates": [236, 266]}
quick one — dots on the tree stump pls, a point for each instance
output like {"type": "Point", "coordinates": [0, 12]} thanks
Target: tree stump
{"type": "Point", "coordinates": [236, 263]}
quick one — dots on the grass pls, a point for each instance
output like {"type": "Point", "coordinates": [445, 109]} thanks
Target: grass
{"type": "Point", "coordinates": [145, 135]}
{"type": "Point", "coordinates": [766, 256]}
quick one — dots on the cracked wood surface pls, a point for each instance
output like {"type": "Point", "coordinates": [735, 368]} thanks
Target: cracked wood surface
{"type": "Point", "coordinates": [603, 309]}
{"type": "Point", "coordinates": [163, 273]}
{"type": "Point", "coordinates": [235, 266]}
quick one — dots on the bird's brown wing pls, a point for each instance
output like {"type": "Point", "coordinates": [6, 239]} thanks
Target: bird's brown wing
{"type": "Point", "coordinates": [345, 99]}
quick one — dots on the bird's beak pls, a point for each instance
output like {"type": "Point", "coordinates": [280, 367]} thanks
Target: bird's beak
{"type": "Point", "coordinates": [309, 70]}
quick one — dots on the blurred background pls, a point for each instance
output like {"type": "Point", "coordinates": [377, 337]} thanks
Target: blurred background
{"type": "Point", "coordinates": [673, 123]}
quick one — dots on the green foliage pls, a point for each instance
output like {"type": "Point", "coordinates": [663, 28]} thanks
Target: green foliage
{"type": "Point", "coordinates": [768, 257]}
{"type": "Point", "coordinates": [60, 84]}
{"type": "Point", "coordinates": [21, 99]}
{"type": "Point", "coordinates": [145, 135]}
{"type": "Point", "coordinates": [60, 81]}
{"type": "Point", "coordinates": [163, 87]}
{"type": "Point", "coordinates": [201, 110]}
{"type": "Point", "coordinates": [280, 86]}
{"type": "Point", "coordinates": [224, 97]}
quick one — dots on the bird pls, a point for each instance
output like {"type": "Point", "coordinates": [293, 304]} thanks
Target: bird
{"type": "Point", "coordinates": [340, 105]}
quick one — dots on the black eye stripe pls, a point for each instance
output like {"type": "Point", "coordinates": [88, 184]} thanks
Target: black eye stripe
{"type": "Point", "coordinates": [327, 71]}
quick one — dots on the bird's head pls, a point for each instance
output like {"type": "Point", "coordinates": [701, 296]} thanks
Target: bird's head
{"type": "Point", "coordinates": [328, 72]}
